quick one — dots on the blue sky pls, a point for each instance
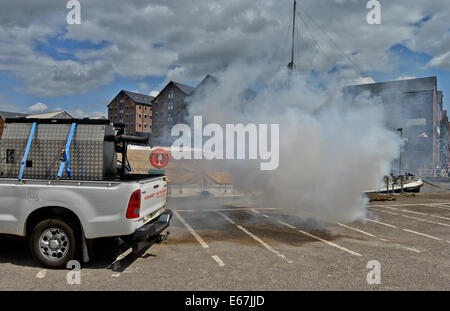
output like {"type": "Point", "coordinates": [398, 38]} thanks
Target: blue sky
{"type": "Point", "coordinates": [93, 102]}
{"type": "Point", "coordinates": [80, 68]}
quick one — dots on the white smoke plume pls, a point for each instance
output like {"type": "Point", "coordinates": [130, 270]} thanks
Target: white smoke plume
{"type": "Point", "coordinates": [331, 150]}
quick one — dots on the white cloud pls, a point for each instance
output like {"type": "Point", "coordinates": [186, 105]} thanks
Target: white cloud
{"type": "Point", "coordinates": [186, 40]}
{"type": "Point", "coordinates": [145, 88]}
{"type": "Point", "coordinates": [81, 113]}
{"type": "Point", "coordinates": [154, 93]}
{"type": "Point", "coordinates": [405, 78]}
{"type": "Point", "coordinates": [360, 80]}
{"type": "Point", "coordinates": [441, 61]}
{"type": "Point", "coordinates": [37, 108]}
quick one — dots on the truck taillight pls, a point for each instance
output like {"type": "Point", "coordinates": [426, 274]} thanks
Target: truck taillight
{"type": "Point", "coordinates": [134, 205]}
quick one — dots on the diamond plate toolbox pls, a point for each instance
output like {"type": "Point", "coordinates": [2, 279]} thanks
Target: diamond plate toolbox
{"type": "Point", "coordinates": [87, 150]}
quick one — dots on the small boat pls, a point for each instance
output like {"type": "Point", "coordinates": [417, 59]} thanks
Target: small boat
{"type": "Point", "coordinates": [408, 186]}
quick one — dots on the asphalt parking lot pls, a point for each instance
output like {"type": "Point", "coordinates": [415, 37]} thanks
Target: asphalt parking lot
{"type": "Point", "coordinates": [242, 247]}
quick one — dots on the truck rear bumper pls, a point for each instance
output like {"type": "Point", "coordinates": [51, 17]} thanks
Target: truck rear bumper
{"type": "Point", "coordinates": [148, 233]}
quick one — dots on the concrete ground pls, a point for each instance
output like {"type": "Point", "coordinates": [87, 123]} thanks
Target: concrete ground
{"type": "Point", "coordinates": [241, 247]}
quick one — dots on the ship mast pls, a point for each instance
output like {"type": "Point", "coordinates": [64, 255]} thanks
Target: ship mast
{"type": "Point", "coordinates": [291, 64]}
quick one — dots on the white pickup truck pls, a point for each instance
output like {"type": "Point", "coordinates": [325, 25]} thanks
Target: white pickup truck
{"type": "Point", "coordinates": [60, 216]}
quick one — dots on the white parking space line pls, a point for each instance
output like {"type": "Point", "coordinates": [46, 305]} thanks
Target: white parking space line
{"type": "Point", "coordinates": [408, 204]}
{"type": "Point", "coordinates": [317, 238]}
{"type": "Point", "coordinates": [440, 217]}
{"type": "Point", "coordinates": [418, 213]}
{"type": "Point", "coordinates": [425, 220]}
{"type": "Point", "coordinates": [419, 219]}
{"type": "Point", "coordinates": [380, 210]}
{"type": "Point", "coordinates": [403, 210]}
{"type": "Point", "coordinates": [366, 233]}
{"type": "Point", "coordinates": [191, 230]}
{"type": "Point", "coordinates": [361, 231]}
{"type": "Point", "coordinates": [411, 249]}
{"type": "Point", "coordinates": [443, 206]}
{"type": "Point", "coordinates": [394, 227]}
{"type": "Point", "coordinates": [287, 225]}
{"type": "Point", "coordinates": [257, 239]}
{"type": "Point", "coordinates": [438, 205]}
{"type": "Point", "coordinates": [218, 260]}
{"type": "Point", "coordinates": [423, 234]}
{"type": "Point", "coordinates": [340, 224]}
{"type": "Point", "coordinates": [329, 243]}
{"type": "Point", "coordinates": [41, 274]}
{"type": "Point", "coordinates": [198, 238]}
{"type": "Point", "coordinates": [381, 223]}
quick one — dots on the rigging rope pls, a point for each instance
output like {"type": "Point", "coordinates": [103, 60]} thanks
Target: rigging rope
{"type": "Point", "coordinates": [329, 37]}
{"type": "Point", "coordinates": [316, 42]}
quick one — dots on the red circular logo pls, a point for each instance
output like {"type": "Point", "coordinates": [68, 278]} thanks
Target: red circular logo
{"type": "Point", "coordinates": [159, 158]}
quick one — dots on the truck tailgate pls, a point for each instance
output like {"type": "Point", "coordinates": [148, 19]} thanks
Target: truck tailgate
{"type": "Point", "coordinates": [153, 197]}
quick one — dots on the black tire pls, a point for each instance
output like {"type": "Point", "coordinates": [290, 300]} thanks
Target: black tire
{"type": "Point", "coordinates": [68, 246]}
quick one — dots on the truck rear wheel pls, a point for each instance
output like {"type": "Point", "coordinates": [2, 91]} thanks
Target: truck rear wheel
{"type": "Point", "coordinates": [53, 243]}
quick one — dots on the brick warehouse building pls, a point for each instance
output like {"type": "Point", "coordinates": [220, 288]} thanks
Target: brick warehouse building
{"type": "Point", "coordinates": [134, 110]}
{"type": "Point", "coordinates": [169, 108]}
{"type": "Point", "coordinates": [171, 105]}
{"type": "Point", "coordinates": [415, 106]}
{"type": "Point", "coordinates": [4, 115]}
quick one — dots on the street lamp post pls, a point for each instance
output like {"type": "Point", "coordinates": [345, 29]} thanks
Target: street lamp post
{"type": "Point", "coordinates": [400, 130]}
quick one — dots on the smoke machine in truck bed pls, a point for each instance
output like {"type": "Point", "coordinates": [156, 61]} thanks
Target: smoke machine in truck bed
{"type": "Point", "coordinates": [79, 149]}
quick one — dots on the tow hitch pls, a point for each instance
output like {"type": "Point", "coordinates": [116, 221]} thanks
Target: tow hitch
{"type": "Point", "coordinates": [162, 238]}
{"type": "Point", "coordinates": [152, 232]}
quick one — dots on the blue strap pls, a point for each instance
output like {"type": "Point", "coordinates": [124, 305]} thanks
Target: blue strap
{"type": "Point", "coordinates": [27, 150]}
{"type": "Point", "coordinates": [66, 155]}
